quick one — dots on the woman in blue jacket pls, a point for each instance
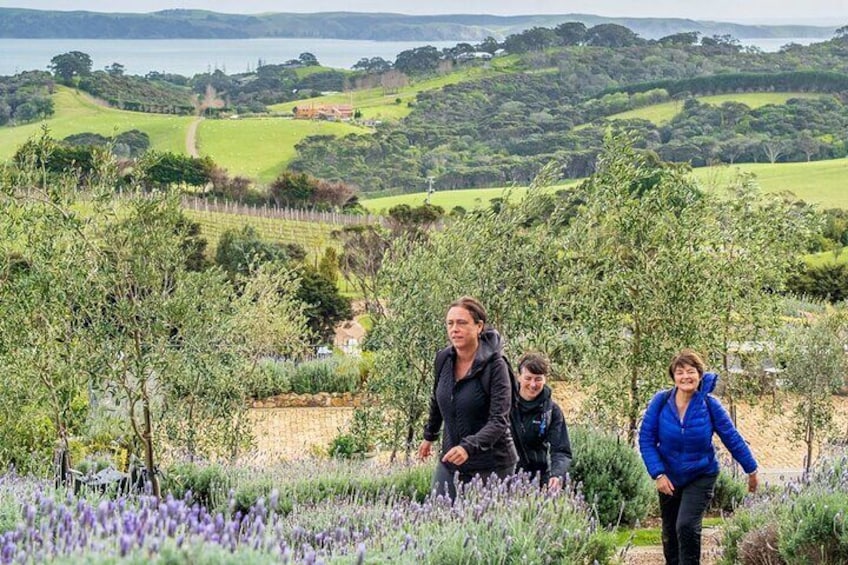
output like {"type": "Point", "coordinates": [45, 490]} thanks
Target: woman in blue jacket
{"type": "Point", "coordinates": [676, 442]}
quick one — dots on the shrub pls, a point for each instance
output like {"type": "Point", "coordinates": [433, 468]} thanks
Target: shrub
{"type": "Point", "coordinates": [729, 492]}
{"type": "Point", "coordinates": [271, 377]}
{"type": "Point", "coordinates": [746, 526]}
{"type": "Point", "coordinates": [813, 529]}
{"type": "Point", "coordinates": [346, 446]}
{"type": "Point", "coordinates": [759, 546]}
{"type": "Point", "coordinates": [612, 476]}
{"type": "Point", "coordinates": [335, 374]}
{"type": "Point", "coordinates": [209, 484]}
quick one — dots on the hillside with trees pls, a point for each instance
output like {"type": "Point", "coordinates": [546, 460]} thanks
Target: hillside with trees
{"type": "Point", "coordinates": [502, 130]}
{"type": "Point", "coordinates": [197, 24]}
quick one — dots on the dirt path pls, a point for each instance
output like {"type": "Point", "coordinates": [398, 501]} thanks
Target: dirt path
{"type": "Point", "coordinates": [191, 137]}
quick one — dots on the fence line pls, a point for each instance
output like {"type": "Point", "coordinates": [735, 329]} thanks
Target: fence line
{"type": "Point", "coordinates": [275, 212]}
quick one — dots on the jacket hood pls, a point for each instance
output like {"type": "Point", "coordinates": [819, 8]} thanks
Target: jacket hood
{"type": "Point", "coordinates": [490, 345]}
{"type": "Point", "coordinates": [708, 383]}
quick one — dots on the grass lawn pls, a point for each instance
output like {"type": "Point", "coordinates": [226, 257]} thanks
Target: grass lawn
{"type": "Point", "coordinates": [260, 148]}
{"type": "Point", "coordinates": [76, 113]}
{"type": "Point", "coordinates": [653, 536]}
{"type": "Point", "coordinates": [664, 112]}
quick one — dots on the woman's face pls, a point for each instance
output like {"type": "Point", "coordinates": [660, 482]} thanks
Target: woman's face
{"type": "Point", "coordinates": [463, 331]}
{"type": "Point", "coordinates": [530, 384]}
{"type": "Point", "coordinates": [686, 378]}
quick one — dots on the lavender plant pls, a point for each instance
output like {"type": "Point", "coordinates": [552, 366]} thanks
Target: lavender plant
{"type": "Point", "coordinates": [803, 523]}
{"type": "Point", "coordinates": [499, 522]}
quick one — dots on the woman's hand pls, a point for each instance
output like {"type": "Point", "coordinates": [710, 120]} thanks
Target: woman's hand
{"type": "Point", "coordinates": [456, 455]}
{"type": "Point", "coordinates": [424, 449]}
{"type": "Point", "coordinates": [664, 485]}
{"type": "Point", "coordinates": [554, 484]}
{"type": "Point", "coordinates": [753, 482]}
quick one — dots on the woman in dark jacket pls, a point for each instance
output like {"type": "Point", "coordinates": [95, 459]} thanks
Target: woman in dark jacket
{"type": "Point", "coordinates": [472, 395]}
{"type": "Point", "coordinates": [676, 442]}
{"type": "Point", "coordinates": [538, 426]}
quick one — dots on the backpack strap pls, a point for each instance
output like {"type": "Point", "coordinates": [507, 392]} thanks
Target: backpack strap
{"type": "Point", "coordinates": [486, 377]}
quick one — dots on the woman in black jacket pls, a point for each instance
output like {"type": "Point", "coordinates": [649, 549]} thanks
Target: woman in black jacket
{"type": "Point", "coordinates": [538, 426]}
{"type": "Point", "coordinates": [472, 396]}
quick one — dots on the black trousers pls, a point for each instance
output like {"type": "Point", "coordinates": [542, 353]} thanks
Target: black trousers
{"type": "Point", "coordinates": [443, 478]}
{"type": "Point", "coordinates": [682, 517]}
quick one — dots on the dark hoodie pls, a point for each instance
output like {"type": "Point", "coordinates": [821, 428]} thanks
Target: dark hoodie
{"type": "Point", "coordinates": [541, 436]}
{"type": "Point", "coordinates": [474, 410]}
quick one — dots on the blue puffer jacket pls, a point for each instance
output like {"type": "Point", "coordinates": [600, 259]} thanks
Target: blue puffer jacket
{"type": "Point", "coordinates": [684, 451]}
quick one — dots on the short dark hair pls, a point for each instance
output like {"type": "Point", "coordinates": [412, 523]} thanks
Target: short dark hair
{"type": "Point", "coordinates": [686, 357]}
{"type": "Point", "coordinates": [535, 362]}
{"type": "Point", "coordinates": [472, 305]}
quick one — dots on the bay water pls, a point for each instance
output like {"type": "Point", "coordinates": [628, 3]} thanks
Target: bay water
{"type": "Point", "coordinates": [191, 56]}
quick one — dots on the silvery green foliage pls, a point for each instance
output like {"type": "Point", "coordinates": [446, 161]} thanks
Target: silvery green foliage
{"type": "Point", "coordinates": [759, 238]}
{"type": "Point", "coordinates": [802, 522]}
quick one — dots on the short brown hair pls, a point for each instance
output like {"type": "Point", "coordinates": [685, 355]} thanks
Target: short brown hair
{"type": "Point", "coordinates": [686, 357]}
{"type": "Point", "coordinates": [535, 362]}
{"type": "Point", "coordinates": [472, 305]}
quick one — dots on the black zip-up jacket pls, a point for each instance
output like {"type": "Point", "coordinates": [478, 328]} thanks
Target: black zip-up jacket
{"type": "Point", "coordinates": [475, 418]}
{"type": "Point", "coordinates": [541, 436]}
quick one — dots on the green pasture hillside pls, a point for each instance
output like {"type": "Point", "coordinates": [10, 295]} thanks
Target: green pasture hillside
{"type": "Point", "coordinates": [376, 104]}
{"type": "Point", "coordinates": [818, 182]}
{"type": "Point", "coordinates": [260, 148]}
{"type": "Point", "coordinates": [663, 113]}
{"type": "Point", "coordinates": [75, 112]}
{"type": "Point", "coordinates": [824, 183]}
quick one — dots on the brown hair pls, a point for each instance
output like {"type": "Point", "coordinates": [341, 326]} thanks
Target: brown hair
{"type": "Point", "coordinates": [535, 362]}
{"type": "Point", "coordinates": [473, 306]}
{"type": "Point", "coordinates": [686, 357]}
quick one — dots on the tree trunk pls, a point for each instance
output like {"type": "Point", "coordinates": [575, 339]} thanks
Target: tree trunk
{"type": "Point", "coordinates": [148, 451]}
{"type": "Point", "coordinates": [809, 438]}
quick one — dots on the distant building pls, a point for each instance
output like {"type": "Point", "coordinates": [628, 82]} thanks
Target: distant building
{"type": "Point", "coordinates": [333, 112]}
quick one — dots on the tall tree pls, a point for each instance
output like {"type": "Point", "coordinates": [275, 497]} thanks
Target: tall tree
{"type": "Point", "coordinates": [67, 66]}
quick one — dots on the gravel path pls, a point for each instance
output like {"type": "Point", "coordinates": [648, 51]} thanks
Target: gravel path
{"type": "Point", "coordinates": [652, 554]}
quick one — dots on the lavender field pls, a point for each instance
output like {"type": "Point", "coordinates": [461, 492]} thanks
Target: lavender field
{"type": "Point", "coordinates": [510, 522]}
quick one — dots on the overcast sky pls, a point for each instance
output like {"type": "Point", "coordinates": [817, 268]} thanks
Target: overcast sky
{"type": "Point", "coordinates": [824, 12]}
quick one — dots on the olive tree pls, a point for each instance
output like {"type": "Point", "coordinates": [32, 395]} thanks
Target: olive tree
{"type": "Point", "coordinates": [46, 274]}
{"type": "Point", "coordinates": [633, 278]}
{"type": "Point", "coordinates": [758, 238]}
{"type": "Point", "coordinates": [102, 298]}
{"type": "Point", "coordinates": [492, 255]}
{"type": "Point", "coordinates": [813, 356]}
